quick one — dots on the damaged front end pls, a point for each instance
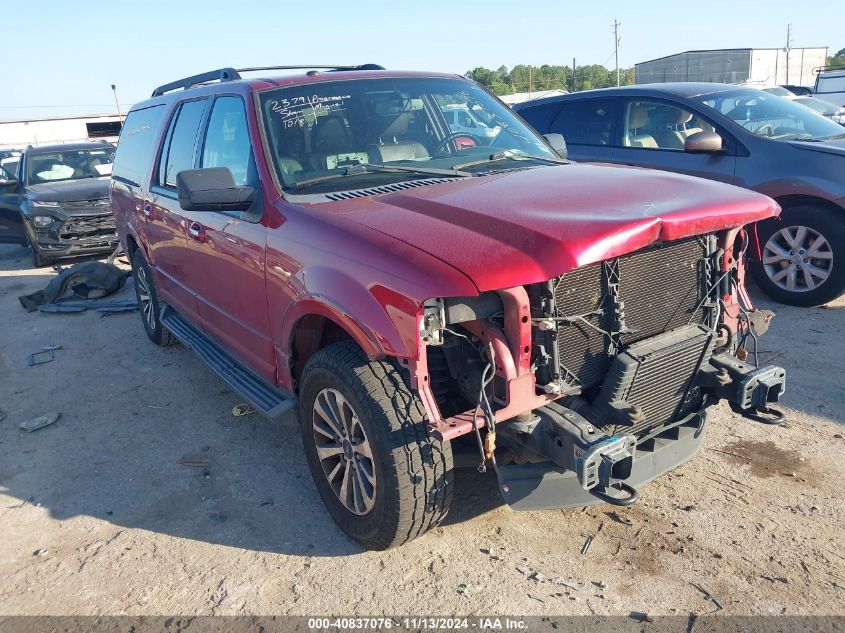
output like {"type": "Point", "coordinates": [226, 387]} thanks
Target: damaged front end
{"type": "Point", "coordinates": [599, 379]}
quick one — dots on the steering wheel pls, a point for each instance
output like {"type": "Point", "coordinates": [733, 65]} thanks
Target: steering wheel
{"type": "Point", "coordinates": [767, 129]}
{"type": "Point", "coordinates": [441, 144]}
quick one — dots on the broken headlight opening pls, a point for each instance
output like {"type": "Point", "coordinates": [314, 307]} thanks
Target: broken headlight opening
{"type": "Point", "coordinates": [42, 221]}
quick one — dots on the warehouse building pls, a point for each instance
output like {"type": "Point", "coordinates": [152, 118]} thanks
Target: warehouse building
{"type": "Point", "coordinates": [762, 66]}
{"type": "Point", "coordinates": [70, 129]}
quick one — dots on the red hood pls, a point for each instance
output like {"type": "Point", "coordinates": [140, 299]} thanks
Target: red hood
{"type": "Point", "coordinates": [527, 226]}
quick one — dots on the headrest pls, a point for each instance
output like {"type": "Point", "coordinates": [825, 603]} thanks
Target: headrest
{"type": "Point", "coordinates": [637, 116]}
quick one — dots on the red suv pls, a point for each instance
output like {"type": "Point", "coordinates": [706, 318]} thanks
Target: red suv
{"type": "Point", "coordinates": [431, 298]}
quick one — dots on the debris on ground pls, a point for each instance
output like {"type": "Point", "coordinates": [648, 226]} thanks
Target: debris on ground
{"type": "Point", "coordinates": [522, 569]}
{"type": "Point", "coordinates": [537, 576]}
{"type": "Point", "coordinates": [40, 552]}
{"type": "Point", "coordinates": [40, 357]}
{"type": "Point", "coordinates": [600, 584]}
{"type": "Point", "coordinates": [620, 518]}
{"type": "Point", "coordinates": [86, 280]}
{"type": "Point", "coordinates": [640, 616]}
{"type": "Point", "coordinates": [242, 409]}
{"type": "Point", "coordinates": [464, 590]}
{"type": "Point", "coordinates": [536, 597]}
{"type": "Point", "coordinates": [2, 415]}
{"type": "Point", "coordinates": [195, 461]}
{"type": "Point", "coordinates": [105, 307]}
{"type": "Point", "coordinates": [708, 595]}
{"type": "Point", "coordinates": [775, 578]}
{"type": "Point", "coordinates": [40, 422]}
{"type": "Point", "coordinates": [586, 546]}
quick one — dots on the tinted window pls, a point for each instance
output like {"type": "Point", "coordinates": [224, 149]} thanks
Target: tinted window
{"type": "Point", "coordinates": [540, 116]}
{"type": "Point", "coordinates": [586, 122]}
{"type": "Point", "coordinates": [227, 139]}
{"type": "Point", "coordinates": [181, 142]}
{"type": "Point", "coordinates": [136, 144]}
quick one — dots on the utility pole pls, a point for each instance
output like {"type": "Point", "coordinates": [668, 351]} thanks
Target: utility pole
{"type": "Point", "coordinates": [788, 46]}
{"type": "Point", "coordinates": [616, 25]}
{"type": "Point", "coordinates": [530, 82]}
{"type": "Point", "coordinates": [573, 74]}
{"type": "Point", "coordinates": [117, 103]}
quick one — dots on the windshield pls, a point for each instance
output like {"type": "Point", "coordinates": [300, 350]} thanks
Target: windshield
{"type": "Point", "coordinates": [770, 116]}
{"type": "Point", "coordinates": [356, 130]}
{"type": "Point", "coordinates": [69, 165]}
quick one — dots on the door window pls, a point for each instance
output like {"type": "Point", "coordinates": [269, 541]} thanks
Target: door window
{"type": "Point", "coordinates": [655, 125]}
{"type": "Point", "coordinates": [586, 122]}
{"type": "Point", "coordinates": [227, 139]}
{"type": "Point", "coordinates": [178, 151]}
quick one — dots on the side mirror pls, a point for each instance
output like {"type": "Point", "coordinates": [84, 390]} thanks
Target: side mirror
{"type": "Point", "coordinates": [8, 185]}
{"type": "Point", "coordinates": [558, 143]}
{"type": "Point", "coordinates": [703, 143]}
{"type": "Point", "coordinates": [212, 189]}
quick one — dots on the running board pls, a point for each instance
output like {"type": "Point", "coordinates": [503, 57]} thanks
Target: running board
{"type": "Point", "coordinates": [270, 400]}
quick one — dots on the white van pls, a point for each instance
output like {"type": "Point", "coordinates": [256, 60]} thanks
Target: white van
{"type": "Point", "coordinates": [830, 85]}
{"type": "Point", "coordinates": [461, 119]}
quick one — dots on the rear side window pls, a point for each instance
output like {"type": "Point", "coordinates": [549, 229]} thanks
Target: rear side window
{"type": "Point", "coordinates": [540, 116]}
{"type": "Point", "coordinates": [178, 151]}
{"type": "Point", "coordinates": [586, 122]}
{"type": "Point", "coordinates": [135, 149]}
{"type": "Point", "coordinates": [227, 139]}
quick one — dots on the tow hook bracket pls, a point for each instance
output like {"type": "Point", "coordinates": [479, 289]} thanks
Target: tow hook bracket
{"type": "Point", "coordinates": [749, 390]}
{"type": "Point", "coordinates": [570, 441]}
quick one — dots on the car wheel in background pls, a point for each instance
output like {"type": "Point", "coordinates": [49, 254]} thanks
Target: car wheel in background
{"type": "Point", "coordinates": [382, 478]}
{"type": "Point", "coordinates": [148, 305]}
{"type": "Point", "coordinates": [802, 256]}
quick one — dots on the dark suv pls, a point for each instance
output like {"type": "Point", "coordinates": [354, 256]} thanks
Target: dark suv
{"type": "Point", "coordinates": [734, 134]}
{"type": "Point", "coordinates": [56, 201]}
{"type": "Point", "coordinates": [429, 296]}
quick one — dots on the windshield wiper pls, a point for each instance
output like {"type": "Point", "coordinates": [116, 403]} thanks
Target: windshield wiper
{"type": "Point", "coordinates": [511, 154]}
{"type": "Point", "coordinates": [373, 168]}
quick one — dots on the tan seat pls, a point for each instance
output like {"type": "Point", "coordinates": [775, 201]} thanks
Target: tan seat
{"type": "Point", "coordinates": [637, 119]}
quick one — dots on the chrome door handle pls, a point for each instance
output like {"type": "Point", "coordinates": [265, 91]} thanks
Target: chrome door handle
{"type": "Point", "coordinates": [196, 231]}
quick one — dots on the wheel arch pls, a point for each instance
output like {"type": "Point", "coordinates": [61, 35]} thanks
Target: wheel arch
{"type": "Point", "coordinates": [314, 324]}
{"type": "Point", "coordinates": [788, 202]}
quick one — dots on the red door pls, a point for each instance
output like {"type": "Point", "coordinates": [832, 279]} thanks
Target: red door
{"type": "Point", "coordinates": [170, 257]}
{"type": "Point", "coordinates": [228, 249]}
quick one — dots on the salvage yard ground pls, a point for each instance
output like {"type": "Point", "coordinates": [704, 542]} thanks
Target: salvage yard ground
{"type": "Point", "coordinates": [148, 496]}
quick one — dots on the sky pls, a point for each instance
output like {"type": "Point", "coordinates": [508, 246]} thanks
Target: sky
{"type": "Point", "coordinates": [61, 57]}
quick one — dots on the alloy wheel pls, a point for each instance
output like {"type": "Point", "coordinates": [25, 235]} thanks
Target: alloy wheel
{"type": "Point", "coordinates": [145, 298]}
{"type": "Point", "coordinates": [797, 259]}
{"type": "Point", "coordinates": [344, 451]}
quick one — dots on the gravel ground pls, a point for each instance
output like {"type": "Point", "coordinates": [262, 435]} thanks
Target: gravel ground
{"type": "Point", "coordinates": [98, 515]}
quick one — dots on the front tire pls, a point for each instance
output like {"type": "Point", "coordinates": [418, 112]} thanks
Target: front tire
{"type": "Point", "coordinates": [383, 480]}
{"type": "Point", "coordinates": [38, 260]}
{"type": "Point", "coordinates": [148, 305]}
{"type": "Point", "coordinates": [803, 256]}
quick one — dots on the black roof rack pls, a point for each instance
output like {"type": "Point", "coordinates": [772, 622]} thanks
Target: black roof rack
{"type": "Point", "coordinates": [822, 69]}
{"type": "Point", "coordinates": [232, 74]}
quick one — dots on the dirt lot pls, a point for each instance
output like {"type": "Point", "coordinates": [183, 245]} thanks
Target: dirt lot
{"type": "Point", "coordinates": [98, 515]}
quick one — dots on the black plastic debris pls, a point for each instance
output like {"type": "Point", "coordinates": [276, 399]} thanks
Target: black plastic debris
{"type": "Point", "coordinates": [86, 280]}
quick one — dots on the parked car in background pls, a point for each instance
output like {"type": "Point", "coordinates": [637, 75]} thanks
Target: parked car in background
{"type": "Point", "coordinates": [57, 201]}
{"type": "Point", "coordinates": [463, 119]}
{"type": "Point", "coordinates": [830, 85]}
{"type": "Point", "coordinates": [737, 135]}
{"type": "Point", "coordinates": [326, 236]}
{"type": "Point", "coordinates": [799, 91]}
{"type": "Point", "coordinates": [780, 91]}
{"type": "Point", "coordinates": [9, 159]}
{"type": "Point", "coordinates": [833, 112]}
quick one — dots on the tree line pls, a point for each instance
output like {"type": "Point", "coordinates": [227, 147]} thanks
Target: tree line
{"type": "Point", "coordinates": [523, 78]}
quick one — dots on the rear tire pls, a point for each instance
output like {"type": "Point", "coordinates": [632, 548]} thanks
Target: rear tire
{"type": "Point", "coordinates": [787, 251]}
{"type": "Point", "coordinates": [148, 305]}
{"type": "Point", "coordinates": [406, 478]}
